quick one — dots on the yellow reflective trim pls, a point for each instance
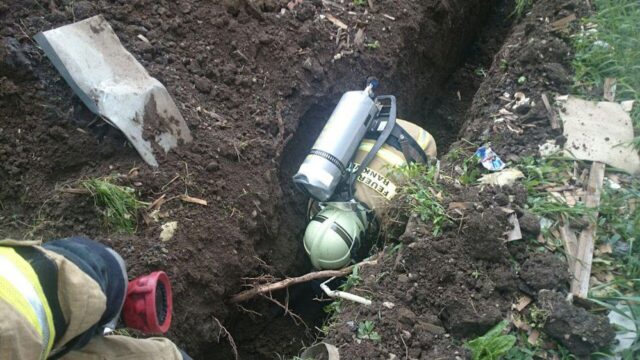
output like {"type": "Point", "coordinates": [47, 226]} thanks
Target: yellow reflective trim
{"type": "Point", "coordinates": [30, 284]}
{"type": "Point", "coordinates": [423, 139]}
{"type": "Point", "coordinates": [387, 155]}
{"type": "Point", "coordinates": [11, 295]}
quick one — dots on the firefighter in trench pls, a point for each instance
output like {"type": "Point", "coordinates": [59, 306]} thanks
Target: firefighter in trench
{"type": "Point", "coordinates": [337, 227]}
{"type": "Point", "coordinates": [57, 299]}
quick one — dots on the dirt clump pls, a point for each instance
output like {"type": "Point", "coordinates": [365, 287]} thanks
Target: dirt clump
{"type": "Point", "coordinates": [544, 271]}
{"type": "Point", "coordinates": [579, 330]}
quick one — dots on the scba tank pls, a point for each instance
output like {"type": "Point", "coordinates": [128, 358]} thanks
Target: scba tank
{"type": "Point", "coordinates": [326, 164]}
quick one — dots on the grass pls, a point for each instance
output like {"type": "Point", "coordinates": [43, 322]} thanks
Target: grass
{"type": "Point", "coordinates": [609, 46]}
{"type": "Point", "coordinates": [618, 231]}
{"type": "Point", "coordinates": [118, 204]}
{"type": "Point", "coordinates": [521, 7]}
{"type": "Point", "coordinates": [425, 195]}
{"type": "Point", "coordinates": [493, 345]}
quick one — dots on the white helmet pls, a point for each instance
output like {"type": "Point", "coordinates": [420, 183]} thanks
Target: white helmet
{"type": "Point", "coordinates": [333, 233]}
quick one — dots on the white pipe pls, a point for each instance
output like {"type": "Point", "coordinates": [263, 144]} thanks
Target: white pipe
{"type": "Point", "coordinates": [343, 295]}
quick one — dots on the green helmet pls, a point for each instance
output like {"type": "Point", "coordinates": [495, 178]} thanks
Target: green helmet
{"type": "Point", "coordinates": [333, 232]}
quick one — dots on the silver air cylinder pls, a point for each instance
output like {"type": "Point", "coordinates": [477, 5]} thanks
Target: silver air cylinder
{"type": "Point", "coordinates": [329, 157]}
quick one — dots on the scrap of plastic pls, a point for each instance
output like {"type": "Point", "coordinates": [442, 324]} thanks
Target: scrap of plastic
{"type": "Point", "coordinates": [489, 159]}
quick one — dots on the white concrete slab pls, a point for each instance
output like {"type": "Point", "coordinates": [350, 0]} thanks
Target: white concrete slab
{"type": "Point", "coordinates": [599, 131]}
{"type": "Point", "coordinates": [112, 83]}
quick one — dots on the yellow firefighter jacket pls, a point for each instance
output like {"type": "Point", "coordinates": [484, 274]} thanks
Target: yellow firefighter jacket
{"type": "Point", "coordinates": [47, 301]}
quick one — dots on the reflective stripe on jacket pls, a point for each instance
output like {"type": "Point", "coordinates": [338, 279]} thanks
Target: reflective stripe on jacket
{"type": "Point", "coordinates": [20, 288]}
{"type": "Point", "coordinates": [46, 301]}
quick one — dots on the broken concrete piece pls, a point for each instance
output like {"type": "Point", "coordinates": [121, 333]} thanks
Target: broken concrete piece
{"type": "Point", "coordinates": [114, 85]}
{"type": "Point", "coordinates": [579, 330]}
{"type": "Point", "coordinates": [168, 230]}
{"type": "Point", "coordinates": [600, 131]}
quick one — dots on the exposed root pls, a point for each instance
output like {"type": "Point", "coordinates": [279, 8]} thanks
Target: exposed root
{"type": "Point", "coordinates": [283, 284]}
{"type": "Point", "coordinates": [296, 318]}
{"type": "Point", "coordinates": [225, 332]}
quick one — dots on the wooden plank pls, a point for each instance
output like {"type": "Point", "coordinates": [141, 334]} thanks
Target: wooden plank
{"type": "Point", "coordinates": [551, 113]}
{"type": "Point", "coordinates": [570, 245]}
{"type": "Point", "coordinates": [562, 23]}
{"type": "Point", "coordinates": [582, 272]}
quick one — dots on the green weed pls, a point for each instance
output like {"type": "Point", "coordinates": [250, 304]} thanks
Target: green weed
{"type": "Point", "coordinates": [468, 164]}
{"type": "Point", "coordinates": [504, 65]}
{"type": "Point", "coordinates": [481, 72]}
{"type": "Point", "coordinates": [521, 7]}
{"type": "Point", "coordinates": [522, 80]}
{"type": "Point", "coordinates": [366, 332]}
{"type": "Point", "coordinates": [360, 2]}
{"type": "Point", "coordinates": [118, 204]}
{"type": "Point", "coordinates": [424, 194]}
{"type": "Point", "coordinates": [353, 280]}
{"type": "Point", "coordinates": [550, 207]}
{"type": "Point", "coordinates": [373, 45]}
{"type": "Point", "coordinates": [492, 345]}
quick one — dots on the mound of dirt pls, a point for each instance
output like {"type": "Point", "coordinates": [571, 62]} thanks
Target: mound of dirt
{"type": "Point", "coordinates": [440, 290]}
{"type": "Point", "coordinates": [436, 288]}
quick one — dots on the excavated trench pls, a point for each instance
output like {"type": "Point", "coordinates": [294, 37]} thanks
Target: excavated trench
{"type": "Point", "coordinates": [436, 76]}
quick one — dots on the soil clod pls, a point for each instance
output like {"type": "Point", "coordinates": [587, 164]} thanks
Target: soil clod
{"type": "Point", "coordinates": [580, 331]}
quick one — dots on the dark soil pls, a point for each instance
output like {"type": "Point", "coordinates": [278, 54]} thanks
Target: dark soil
{"type": "Point", "coordinates": [544, 271]}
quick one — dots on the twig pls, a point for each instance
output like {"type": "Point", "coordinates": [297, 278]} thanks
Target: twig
{"type": "Point", "coordinates": [335, 21]}
{"type": "Point", "coordinates": [248, 310]}
{"type": "Point", "coordinates": [268, 288]}
{"type": "Point", "coordinates": [193, 200]}
{"type": "Point", "coordinates": [406, 348]}
{"type": "Point", "coordinates": [234, 348]}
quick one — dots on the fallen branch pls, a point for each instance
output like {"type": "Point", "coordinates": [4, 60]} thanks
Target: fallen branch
{"type": "Point", "coordinates": [282, 284]}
